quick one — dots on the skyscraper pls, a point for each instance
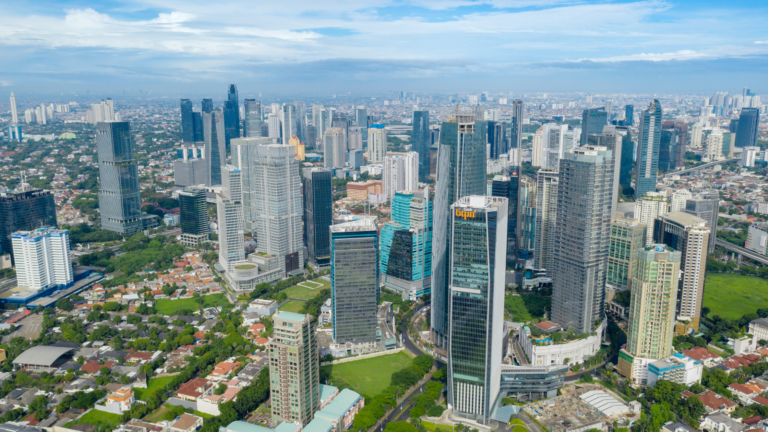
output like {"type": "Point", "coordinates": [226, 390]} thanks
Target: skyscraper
{"type": "Point", "coordinates": [526, 219]}
{"type": "Point", "coordinates": [582, 237]}
{"type": "Point", "coordinates": [629, 115]}
{"type": "Point", "coordinates": [24, 210]}
{"type": "Point", "coordinates": [377, 143]}
{"type": "Point", "coordinates": [422, 142]}
{"type": "Point", "coordinates": [215, 145]}
{"type": "Point", "coordinates": [244, 158]}
{"type": "Point", "coordinates": [497, 139]}
{"type": "Point", "coordinates": [715, 145]}
{"type": "Point", "coordinates": [333, 148]}
{"type": "Point", "coordinates": [276, 205]}
{"type": "Point", "coordinates": [289, 121]}
{"type": "Point", "coordinates": [231, 116]}
{"type": "Point", "coordinates": [207, 106]}
{"type": "Point", "coordinates": [294, 372]}
{"type": "Point", "coordinates": [696, 135]}
{"type": "Point", "coordinates": [689, 235]}
{"type": "Point", "coordinates": [229, 207]}
{"type": "Point", "coordinates": [508, 186]}
{"type": "Point", "coordinates": [648, 143]}
{"type": "Point", "coordinates": [679, 199]}
{"type": "Point", "coordinates": [546, 219]}
{"type": "Point", "coordinates": [119, 193]}
{"type": "Point", "coordinates": [355, 139]}
{"type": "Point", "coordinates": [187, 124]}
{"type": "Point", "coordinates": [516, 133]}
{"type": "Point", "coordinates": [681, 128]}
{"type": "Point", "coordinates": [627, 238]}
{"type": "Point", "coordinates": [478, 228]}
{"type": "Point", "coordinates": [746, 132]}
{"type": "Point", "coordinates": [318, 215]}
{"type": "Point", "coordinates": [14, 112]}
{"type": "Point", "coordinates": [355, 280]}
{"type": "Point", "coordinates": [301, 120]}
{"type": "Point", "coordinates": [193, 215]}
{"type": "Point", "coordinates": [253, 116]}
{"type": "Point", "coordinates": [42, 258]}
{"type": "Point", "coordinates": [592, 122]}
{"type": "Point", "coordinates": [400, 172]}
{"type": "Point", "coordinates": [406, 245]}
{"type": "Point", "coordinates": [649, 207]}
{"type": "Point", "coordinates": [461, 171]}
{"type": "Point", "coordinates": [668, 150]}
{"type": "Point", "coordinates": [652, 311]}
{"type": "Point", "coordinates": [361, 117]}
{"type": "Point", "coordinates": [197, 127]}
{"type": "Point", "coordinates": [707, 207]}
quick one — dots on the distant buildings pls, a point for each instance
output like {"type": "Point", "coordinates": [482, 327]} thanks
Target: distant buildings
{"type": "Point", "coordinates": [187, 124]}
{"type": "Point", "coordinates": [400, 172]}
{"type": "Point", "coordinates": [192, 168]}
{"type": "Point", "coordinates": [253, 118]}
{"type": "Point", "coordinates": [231, 121]}
{"type": "Point", "coordinates": [647, 208]}
{"type": "Point", "coordinates": [42, 258]}
{"type": "Point", "coordinates": [592, 122]}
{"type": "Point", "coordinates": [748, 156]}
{"type": "Point", "coordinates": [24, 210]}
{"type": "Point", "coordinates": [377, 143]}
{"type": "Point", "coordinates": [355, 280]}
{"type": "Point", "coordinates": [318, 215]}
{"type": "Point", "coordinates": [421, 142]}
{"type": "Point", "coordinates": [216, 144]}
{"type": "Point", "coordinates": [648, 144]}
{"type": "Point", "coordinates": [334, 148]}
{"type": "Point", "coordinates": [193, 213]}
{"type": "Point", "coordinates": [516, 129]}
{"type": "Point", "coordinates": [526, 219]}
{"type": "Point", "coordinates": [119, 193]}
{"type": "Point", "coordinates": [746, 132]}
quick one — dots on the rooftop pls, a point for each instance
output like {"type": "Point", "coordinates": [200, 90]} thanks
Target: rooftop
{"type": "Point", "coordinates": [41, 355]}
{"type": "Point", "coordinates": [290, 316]}
{"type": "Point", "coordinates": [684, 219]}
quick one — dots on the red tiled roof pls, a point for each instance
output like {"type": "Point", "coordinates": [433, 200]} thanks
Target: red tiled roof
{"type": "Point", "coordinates": [93, 366]}
{"type": "Point", "coordinates": [761, 400]}
{"type": "Point", "coordinates": [741, 388]}
{"type": "Point", "coordinates": [700, 354]}
{"type": "Point", "coordinates": [190, 388]}
{"type": "Point", "coordinates": [546, 325]}
{"type": "Point", "coordinates": [714, 401]}
{"type": "Point", "coordinates": [751, 420]}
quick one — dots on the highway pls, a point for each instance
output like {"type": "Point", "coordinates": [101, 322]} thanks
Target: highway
{"type": "Point", "coordinates": [700, 167]}
{"type": "Point", "coordinates": [762, 259]}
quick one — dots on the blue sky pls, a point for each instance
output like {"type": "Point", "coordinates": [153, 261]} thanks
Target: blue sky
{"type": "Point", "coordinates": [292, 46]}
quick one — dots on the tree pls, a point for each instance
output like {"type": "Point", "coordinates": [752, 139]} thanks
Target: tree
{"type": "Point", "coordinates": [65, 304]}
{"type": "Point", "coordinates": [399, 426]}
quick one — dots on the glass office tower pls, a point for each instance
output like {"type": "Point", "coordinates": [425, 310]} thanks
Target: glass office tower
{"type": "Point", "coordinates": [516, 133]}
{"type": "Point", "coordinates": [119, 193]}
{"type": "Point", "coordinates": [746, 128]}
{"type": "Point", "coordinates": [253, 116]}
{"type": "Point", "coordinates": [476, 305]}
{"type": "Point", "coordinates": [648, 144]}
{"type": "Point", "coordinates": [193, 215]}
{"type": "Point", "coordinates": [24, 210]}
{"type": "Point", "coordinates": [508, 186]}
{"type": "Point", "coordinates": [355, 280]}
{"type": "Point", "coordinates": [215, 145]}
{"type": "Point", "coordinates": [461, 171]}
{"type": "Point", "coordinates": [421, 142]}
{"type": "Point", "coordinates": [592, 122]}
{"type": "Point", "coordinates": [187, 124]}
{"type": "Point", "coordinates": [629, 115]}
{"type": "Point", "coordinates": [318, 215]}
{"type": "Point", "coordinates": [231, 115]}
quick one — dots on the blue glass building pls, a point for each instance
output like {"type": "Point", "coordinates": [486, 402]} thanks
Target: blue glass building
{"type": "Point", "coordinates": [648, 146]}
{"type": "Point", "coordinates": [119, 193]}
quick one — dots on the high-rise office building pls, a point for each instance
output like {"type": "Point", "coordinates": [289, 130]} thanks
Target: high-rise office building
{"type": "Point", "coordinates": [406, 245]}
{"type": "Point", "coordinates": [334, 149]}
{"type": "Point", "coordinates": [231, 116]}
{"type": "Point", "coordinates": [508, 186]}
{"type": "Point", "coordinates": [361, 117]}
{"type": "Point", "coordinates": [341, 121]}
{"type": "Point", "coordinates": [629, 115]}
{"type": "Point", "coordinates": [301, 120]}
{"type": "Point", "coordinates": [461, 171]}
{"type": "Point", "coordinates": [400, 172]}
{"type": "Point", "coordinates": [119, 193]}
{"type": "Point", "coordinates": [24, 210]}
{"type": "Point", "coordinates": [648, 143]}
{"type": "Point", "coordinates": [298, 148]}
{"type": "Point", "coordinates": [275, 191]}
{"type": "Point", "coordinates": [696, 135]}
{"type": "Point", "coordinates": [707, 207]}
{"type": "Point", "coordinates": [14, 111]}
{"type": "Point", "coordinates": [679, 199]}
{"type": "Point", "coordinates": [355, 139]}
{"type": "Point", "coordinates": [377, 143]}
{"type": "Point", "coordinates": [516, 132]}
{"type": "Point", "coordinates": [42, 259]}
{"type": "Point", "coordinates": [526, 219]}
{"type": "Point", "coordinates": [193, 217]}
{"type": "Point", "coordinates": [229, 209]}
{"type": "Point", "coordinates": [197, 127]}
{"type": "Point", "coordinates": [290, 121]}
{"type": "Point", "coordinates": [215, 145]}
{"type": "Point", "coordinates": [715, 145]}
{"type": "Point", "coordinates": [253, 116]}
{"type": "Point", "coordinates": [746, 132]}
{"type": "Point", "coordinates": [497, 139]}
{"type": "Point", "coordinates": [689, 235]}
{"type": "Point", "coordinates": [749, 156]}
{"type": "Point", "coordinates": [422, 142]}
{"type": "Point", "coordinates": [627, 238]}
{"type": "Point", "coordinates": [582, 237]}
{"type": "Point", "coordinates": [652, 311]}
{"type": "Point", "coordinates": [478, 228]}
{"type": "Point", "coordinates": [207, 106]}
{"type": "Point", "coordinates": [192, 168]}
{"type": "Point", "coordinates": [294, 372]}
{"type": "Point", "coordinates": [318, 215]}
{"type": "Point", "coordinates": [627, 158]}
{"type": "Point", "coordinates": [355, 280]}
{"type": "Point", "coordinates": [649, 207]}
{"type": "Point", "coordinates": [592, 122]}
{"type": "Point", "coordinates": [667, 150]}
{"type": "Point", "coordinates": [613, 138]}
{"type": "Point", "coordinates": [546, 219]}
{"type": "Point", "coordinates": [537, 148]}
{"type": "Point", "coordinates": [273, 126]}
{"type": "Point", "coordinates": [681, 128]}
{"type": "Point", "coordinates": [187, 124]}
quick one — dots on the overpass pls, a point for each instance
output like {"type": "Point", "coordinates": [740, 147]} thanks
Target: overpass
{"type": "Point", "coordinates": [700, 167]}
{"type": "Point", "coordinates": [745, 253]}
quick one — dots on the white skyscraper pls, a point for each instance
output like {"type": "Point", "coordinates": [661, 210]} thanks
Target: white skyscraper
{"type": "Point", "coordinates": [229, 208]}
{"type": "Point", "coordinates": [273, 124]}
{"type": "Point", "coordinates": [42, 119]}
{"type": "Point", "coordinates": [679, 198]}
{"type": "Point", "coordinates": [42, 258]}
{"type": "Point", "coordinates": [715, 145]}
{"type": "Point", "coordinates": [400, 172]}
{"type": "Point", "coordinates": [748, 156]}
{"type": "Point", "coordinates": [14, 113]}
{"type": "Point", "coordinates": [355, 138]}
{"type": "Point", "coordinates": [609, 107]}
{"type": "Point", "coordinates": [377, 143]}
{"type": "Point", "coordinates": [647, 209]}
{"type": "Point", "coordinates": [537, 149]}
{"type": "Point", "coordinates": [334, 152]}
{"type": "Point", "coordinates": [696, 133]}
{"type": "Point", "coordinates": [29, 115]}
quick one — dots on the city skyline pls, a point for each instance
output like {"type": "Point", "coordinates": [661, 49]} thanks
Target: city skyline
{"type": "Point", "coordinates": [169, 46]}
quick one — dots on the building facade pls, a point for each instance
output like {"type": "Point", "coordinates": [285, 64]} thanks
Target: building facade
{"type": "Point", "coordinates": [119, 193]}
{"type": "Point", "coordinates": [746, 131]}
{"type": "Point", "coordinates": [216, 144]}
{"type": "Point", "coordinates": [42, 258]}
{"type": "Point", "coordinates": [648, 144]}
{"type": "Point", "coordinates": [526, 219]}
{"type": "Point", "coordinates": [229, 209]}
{"type": "Point", "coordinates": [318, 215]}
{"type": "Point", "coordinates": [508, 186]}
{"type": "Point", "coordinates": [377, 143]}
{"type": "Point", "coordinates": [649, 207]}
{"type": "Point", "coordinates": [400, 172]}
{"type": "Point", "coordinates": [546, 219]}
{"type": "Point", "coordinates": [592, 122]}
{"type": "Point", "coordinates": [422, 141]}
{"type": "Point", "coordinates": [24, 210]}
{"type": "Point", "coordinates": [253, 118]}
{"type": "Point", "coordinates": [193, 215]}
{"type": "Point", "coordinates": [476, 305]}
{"type": "Point", "coordinates": [627, 239]}
{"type": "Point", "coordinates": [706, 206]}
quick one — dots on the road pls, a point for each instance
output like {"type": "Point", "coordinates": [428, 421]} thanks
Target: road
{"type": "Point", "coordinates": [741, 251]}
{"type": "Point", "coordinates": [402, 411]}
{"type": "Point", "coordinates": [701, 167]}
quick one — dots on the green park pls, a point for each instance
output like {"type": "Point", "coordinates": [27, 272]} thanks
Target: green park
{"type": "Point", "coordinates": [732, 296]}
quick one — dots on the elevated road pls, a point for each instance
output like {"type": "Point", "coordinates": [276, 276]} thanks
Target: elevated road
{"type": "Point", "coordinates": [700, 167]}
{"type": "Point", "coordinates": [762, 259]}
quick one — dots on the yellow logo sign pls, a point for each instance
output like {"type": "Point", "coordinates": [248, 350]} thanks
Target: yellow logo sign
{"type": "Point", "coordinates": [464, 214]}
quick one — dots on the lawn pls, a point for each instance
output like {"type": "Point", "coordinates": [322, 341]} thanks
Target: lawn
{"type": "Point", "coordinates": [172, 307]}
{"type": "Point", "coordinates": [157, 415]}
{"type": "Point", "coordinates": [292, 306]}
{"type": "Point", "coordinates": [153, 384]}
{"type": "Point", "coordinates": [519, 428]}
{"type": "Point", "coordinates": [99, 418]}
{"type": "Point", "coordinates": [369, 377]}
{"type": "Point", "coordinates": [302, 292]}
{"type": "Point", "coordinates": [732, 296]}
{"type": "Point", "coordinates": [433, 427]}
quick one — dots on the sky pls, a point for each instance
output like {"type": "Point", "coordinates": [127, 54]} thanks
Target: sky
{"type": "Point", "coordinates": [371, 46]}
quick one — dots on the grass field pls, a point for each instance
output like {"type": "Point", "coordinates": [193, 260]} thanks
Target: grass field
{"type": "Point", "coordinates": [302, 292]}
{"type": "Point", "coordinates": [157, 414]}
{"type": "Point", "coordinates": [99, 418]}
{"type": "Point", "coordinates": [292, 306]}
{"type": "Point", "coordinates": [732, 296]}
{"type": "Point", "coordinates": [153, 384]}
{"type": "Point", "coordinates": [519, 428]}
{"type": "Point", "coordinates": [433, 427]}
{"type": "Point", "coordinates": [172, 307]}
{"type": "Point", "coordinates": [371, 376]}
